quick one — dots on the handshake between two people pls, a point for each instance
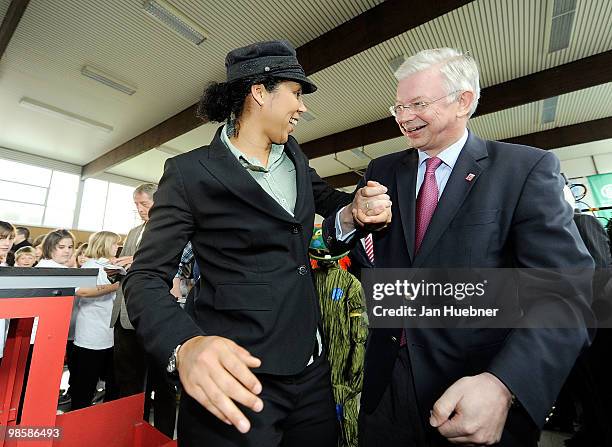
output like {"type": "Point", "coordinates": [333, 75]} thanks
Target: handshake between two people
{"type": "Point", "coordinates": [370, 209]}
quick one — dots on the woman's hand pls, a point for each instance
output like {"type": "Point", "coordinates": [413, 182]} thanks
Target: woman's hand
{"type": "Point", "coordinates": [215, 371]}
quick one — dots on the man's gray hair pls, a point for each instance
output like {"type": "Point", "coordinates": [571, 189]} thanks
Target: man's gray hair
{"type": "Point", "coordinates": [459, 70]}
{"type": "Point", "coordinates": [146, 188]}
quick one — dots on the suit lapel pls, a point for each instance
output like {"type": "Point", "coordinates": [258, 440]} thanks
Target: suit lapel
{"type": "Point", "coordinates": [302, 177]}
{"type": "Point", "coordinates": [130, 242]}
{"type": "Point", "coordinates": [406, 187]}
{"type": "Point", "coordinates": [222, 164]}
{"type": "Point", "coordinates": [472, 160]}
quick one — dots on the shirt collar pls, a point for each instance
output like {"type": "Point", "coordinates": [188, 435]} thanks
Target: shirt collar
{"type": "Point", "coordinates": [276, 150]}
{"type": "Point", "coordinates": [449, 155]}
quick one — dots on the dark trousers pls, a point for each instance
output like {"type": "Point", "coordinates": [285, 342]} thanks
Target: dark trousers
{"type": "Point", "coordinates": [70, 360]}
{"type": "Point", "coordinates": [134, 374]}
{"type": "Point", "coordinates": [589, 387]}
{"type": "Point", "coordinates": [398, 421]}
{"type": "Point", "coordinates": [163, 403]}
{"type": "Point", "coordinates": [88, 366]}
{"type": "Point", "coordinates": [298, 411]}
{"type": "Point", "coordinates": [129, 362]}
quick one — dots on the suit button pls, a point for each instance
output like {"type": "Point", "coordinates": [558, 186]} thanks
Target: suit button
{"type": "Point", "coordinates": [394, 339]}
{"type": "Point", "coordinates": [302, 270]}
{"type": "Point", "coordinates": [296, 229]}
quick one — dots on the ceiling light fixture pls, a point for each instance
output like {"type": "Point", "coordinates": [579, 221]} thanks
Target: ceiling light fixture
{"type": "Point", "coordinates": [107, 80]}
{"type": "Point", "coordinates": [549, 110]}
{"type": "Point", "coordinates": [308, 116]}
{"type": "Point", "coordinates": [361, 154]}
{"type": "Point", "coordinates": [562, 22]}
{"type": "Point", "coordinates": [359, 171]}
{"type": "Point", "coordinates": [38, 106]}
{"type": "Point", "coordinates": [396, 62]}
{"type": "Point", "coordinates": [169, 150]}
{"type": "Point", "coordinates": [171, 17]}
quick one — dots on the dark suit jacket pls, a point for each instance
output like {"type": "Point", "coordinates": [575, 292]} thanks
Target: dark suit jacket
{"type": "Point", "coordinates": [256, 286]}
{"type": "Point", "coordinates": [512, 214]}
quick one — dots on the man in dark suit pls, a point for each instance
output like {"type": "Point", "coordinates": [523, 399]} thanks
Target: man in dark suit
{"type": "Point", "coordinates": [458, 202]}
{"type": "Point", "coordinates": [129, 357]}
{"type": "Point", "coordinates": [247, 204]}
{"type": "Point", "coordinates": [133, 372]}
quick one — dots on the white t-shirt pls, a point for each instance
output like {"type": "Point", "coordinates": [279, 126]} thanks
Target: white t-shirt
{"type": "Point", "coordinates": [92, 329]}
{"type": "Point", "coordinates": [50, 263]}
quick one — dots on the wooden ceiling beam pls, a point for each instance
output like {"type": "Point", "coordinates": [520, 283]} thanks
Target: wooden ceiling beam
{"type": "Point", "coordinates": [376, 25]}
{"type": "Point", "coordinates": [173, 127]}
{"type": "Point", "coordinates": [567, 78]}
{"type": "Point", "coordinates": [580, 133]}
{"type": "Point", "coordinates": [382, 22]}
{"type": "Point", "coordinates": [11, 20]}
{"type": "Point", "coordinates": [571, 135]}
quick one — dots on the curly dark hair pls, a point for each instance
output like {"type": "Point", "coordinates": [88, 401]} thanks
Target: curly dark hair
{"type": "Point", "coordinates": [222, 101]}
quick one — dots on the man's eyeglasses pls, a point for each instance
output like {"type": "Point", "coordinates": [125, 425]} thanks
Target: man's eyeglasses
{"type": "Point", "coordinates": [416, 107]}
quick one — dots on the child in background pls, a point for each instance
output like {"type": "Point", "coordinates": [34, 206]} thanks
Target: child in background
{"type": "Point", "coordinates": [25, 257]}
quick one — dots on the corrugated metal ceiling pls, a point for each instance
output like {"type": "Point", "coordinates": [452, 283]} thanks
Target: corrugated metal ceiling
{"type": "Point", "coordinates": [56, 38]}
{"type": "Point", "coordinates": [507, 38]}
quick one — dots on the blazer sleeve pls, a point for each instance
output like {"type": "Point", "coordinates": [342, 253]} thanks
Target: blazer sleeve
{"type": "Point", "coordinates": [327, 199]}
{"type": "Point", "coordinates": [329, 223]}
{"type": "Point", "coordinates": [159, 321]}
{"type": "Point", "coordinates": [534, 363]}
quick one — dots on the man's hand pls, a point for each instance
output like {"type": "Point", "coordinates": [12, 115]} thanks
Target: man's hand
{"type": "Point", "coordinates": [371, 207]}
{"type": "Point", "coordinates": [176, 288]}
{"type": "Point", "coordinates": [473, 410]}
{"type": "Point", "coordinates": [215, 372]}
{"type": "Point", "coordinates": [123, 261]}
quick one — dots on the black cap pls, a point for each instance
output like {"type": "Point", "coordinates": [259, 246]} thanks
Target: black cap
{"type": "Point", "coordinates": [275, 58]}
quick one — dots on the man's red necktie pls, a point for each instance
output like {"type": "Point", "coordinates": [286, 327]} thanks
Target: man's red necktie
{"type": "Point", "coordinates": [426, 204]}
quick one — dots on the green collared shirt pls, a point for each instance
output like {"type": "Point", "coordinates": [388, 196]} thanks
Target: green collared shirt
{"type": "Point", "coordinates": [277, 179]}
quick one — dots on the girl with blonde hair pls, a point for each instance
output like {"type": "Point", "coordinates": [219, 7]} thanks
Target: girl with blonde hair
{"type": "Point", "coordinates": [93, 338]}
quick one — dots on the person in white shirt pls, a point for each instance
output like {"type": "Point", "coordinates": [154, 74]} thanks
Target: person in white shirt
{"type": "Point", "coordinates": [93, 338]}
{"type": "Point", "coordinates": [56, 250]}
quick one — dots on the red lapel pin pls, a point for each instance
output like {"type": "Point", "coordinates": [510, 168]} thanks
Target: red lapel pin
{"type": "Point", "coordinates": [470, 177]}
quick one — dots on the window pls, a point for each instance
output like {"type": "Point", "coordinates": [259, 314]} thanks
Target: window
{"type": "Point", "coordinates": [61, 201]}
{"type": "Point", "coordinates": [107, 206]}
{"type": "Point", "coordinates": [30, 195]}
{"type": "Point", "coordinates": [120, 215]}
{"type": "Point", "coordinates": [91, 217]}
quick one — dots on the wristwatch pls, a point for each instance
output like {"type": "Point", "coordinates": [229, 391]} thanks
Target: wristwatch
{"type": "Point", "coordinates": [173, 360]}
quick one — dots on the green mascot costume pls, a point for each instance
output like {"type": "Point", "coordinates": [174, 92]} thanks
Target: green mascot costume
{"type": "Point", "coordinates": [345, 332]}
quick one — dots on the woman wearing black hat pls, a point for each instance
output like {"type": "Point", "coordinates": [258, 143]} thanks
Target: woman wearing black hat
{"type": "Point", "coordinates": [249, 356]}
